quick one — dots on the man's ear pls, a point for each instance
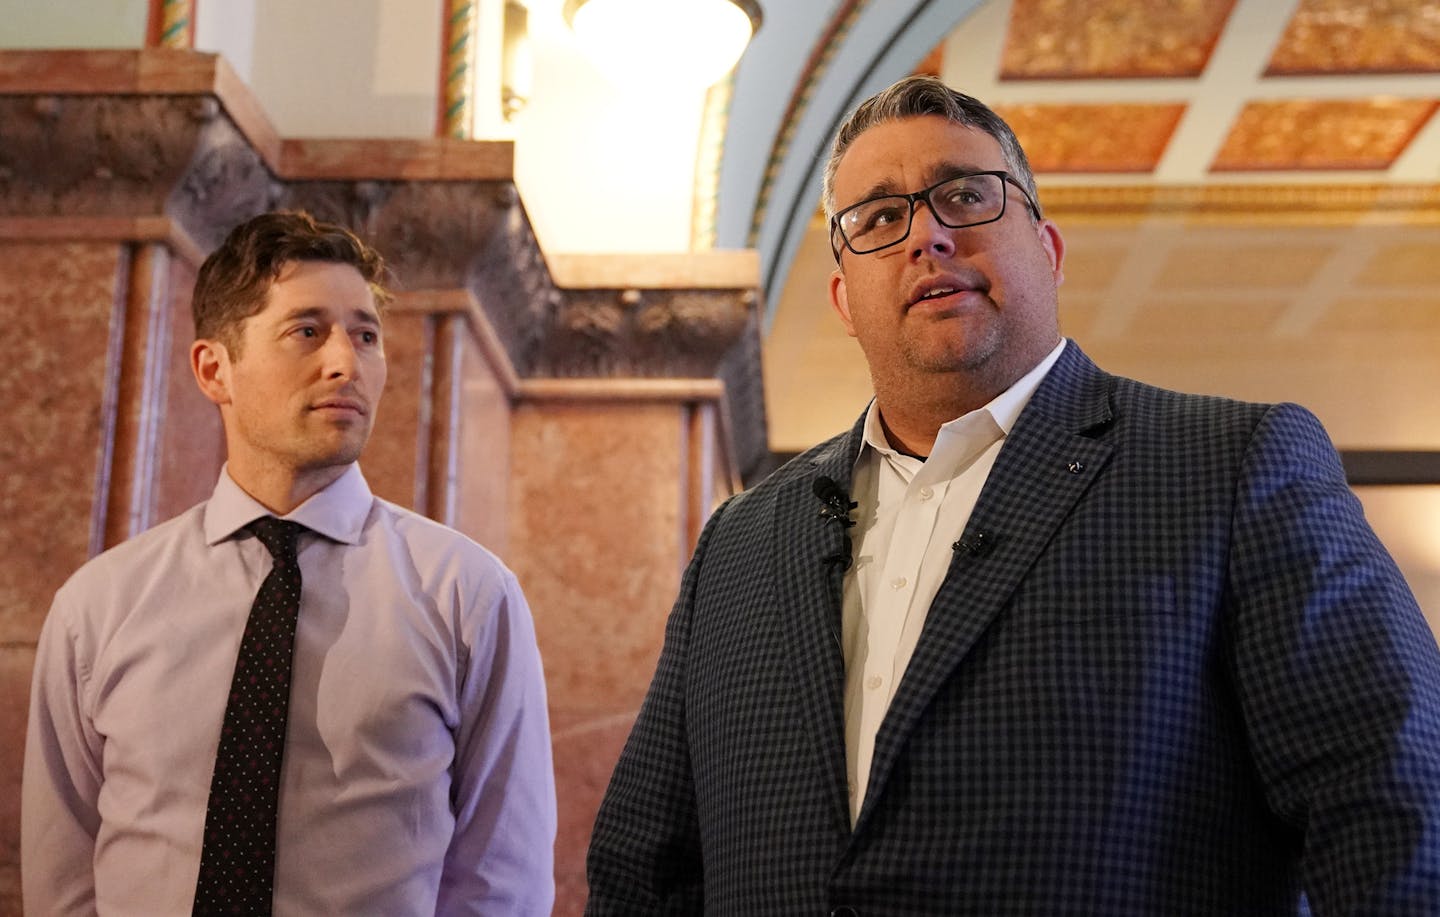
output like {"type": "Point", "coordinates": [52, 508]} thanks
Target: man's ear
{"type": "Point", "coordinates": [210, 362]}
{"type": "Point", "coordinates": [1054, 245]}
{"type": "Point", "coordinates": [840, 301]}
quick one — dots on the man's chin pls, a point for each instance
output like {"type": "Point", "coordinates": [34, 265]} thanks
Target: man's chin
{"type": "Point", "coordinates": [338, 454]}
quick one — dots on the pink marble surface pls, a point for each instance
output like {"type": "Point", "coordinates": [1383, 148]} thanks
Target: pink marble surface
{"type": "Point", "coordinates": [586, 749]}
{"type": "Point", "coordinates": [595, 541]}
{"type": "Point", "coordinates": [483, 442]}
{"type": "Point", "coordinates": [15, 665]}
{"type": "Point", "coordinates": [389, 459]}
{"type": "Point", "coordinates": [57, 301]}
{"type": "Point", "coordinates": [192, 443]}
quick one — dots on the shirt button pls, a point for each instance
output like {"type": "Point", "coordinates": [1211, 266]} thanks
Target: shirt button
{"type": "Point", "coordinates": [873, 682]}
{"type": "Point", "coordinates": [926, 493]}
{"type": "Point", "coordinates": [898, 583]}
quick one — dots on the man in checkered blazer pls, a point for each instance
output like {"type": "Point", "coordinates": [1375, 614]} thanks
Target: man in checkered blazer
{"type": "Point", "coordinates": [1030, 638]}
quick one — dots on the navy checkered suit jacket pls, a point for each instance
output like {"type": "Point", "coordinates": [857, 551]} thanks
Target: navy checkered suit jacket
{"type": "Point", "coordinates": [1184, 678]}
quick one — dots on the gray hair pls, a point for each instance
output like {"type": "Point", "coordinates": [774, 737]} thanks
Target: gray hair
{"type": "Point", "coordinates": [926, 95]}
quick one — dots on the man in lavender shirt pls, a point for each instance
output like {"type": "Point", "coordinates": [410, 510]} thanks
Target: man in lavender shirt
{"type": "Point", "coordinates": [416, 773]}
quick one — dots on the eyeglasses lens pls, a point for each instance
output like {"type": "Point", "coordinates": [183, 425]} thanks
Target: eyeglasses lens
{"type": "Point", "coordinates": [959, 202]}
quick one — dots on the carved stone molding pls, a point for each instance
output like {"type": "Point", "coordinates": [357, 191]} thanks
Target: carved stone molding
{"type": "Point", "coordinates": [642, 333]}
{"type": "Point", "coordinates": [445, 213]}
{"type": "Point", "coordinates": [93, 155]}
{"type": "Point", "coordinates": [226, 182]}
{"type": "Point", "coordinates": [512, 282]}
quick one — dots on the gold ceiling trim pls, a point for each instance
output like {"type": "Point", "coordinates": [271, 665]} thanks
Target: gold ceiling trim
{"type": "Point", "coordinates": [709, 153]}
{"type": "Point", "coordinates": [1319, 204]}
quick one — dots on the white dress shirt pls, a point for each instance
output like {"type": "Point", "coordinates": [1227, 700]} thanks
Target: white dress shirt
{"type": "Point", "coordinates": [910, 512]}
{"type": "Point", "coordinates": [417, 777]}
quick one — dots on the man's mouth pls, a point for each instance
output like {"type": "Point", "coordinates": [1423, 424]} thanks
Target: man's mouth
{"type": "Point", "coordinates": [938, 292]}
{"type": "Point", "coordinates": [944, 287]}
{"type": "Point", "coordinates": [349, 405]}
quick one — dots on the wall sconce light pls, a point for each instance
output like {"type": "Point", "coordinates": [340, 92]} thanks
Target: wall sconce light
{"type": "Point", "coordinates": [664, 42]}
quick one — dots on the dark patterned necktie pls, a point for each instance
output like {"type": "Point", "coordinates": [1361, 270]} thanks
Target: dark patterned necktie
{"type": "Point", "coordinates": [237, 860]}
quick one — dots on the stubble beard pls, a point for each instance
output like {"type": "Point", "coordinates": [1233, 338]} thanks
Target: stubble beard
{"type": "Point", "coordinates": [316, 453]}
{"type": "Point", "coordinates": [960, 348]}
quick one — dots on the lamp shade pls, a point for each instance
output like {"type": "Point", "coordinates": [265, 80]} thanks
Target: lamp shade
{"type": "Point", "coordinates": [663, 42]}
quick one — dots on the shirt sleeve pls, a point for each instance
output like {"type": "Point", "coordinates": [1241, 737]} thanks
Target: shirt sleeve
{"type": "Point", "coordinates": [59, 818]}
{"type": "Point", "coordinates": [1338, 677]}
{"type": "Point", "coordinates": [501, 858]}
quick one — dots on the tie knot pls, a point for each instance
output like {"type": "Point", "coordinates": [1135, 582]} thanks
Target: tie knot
{"type": "Point", "coordinates": [278, 535]}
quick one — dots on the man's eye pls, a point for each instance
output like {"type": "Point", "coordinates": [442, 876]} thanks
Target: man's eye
{"type": "Point", "coordinates": [882, 216]}
{"type": "Point", "coordinates": [306, 331]}
{"type": "Point", "coordinates": [964, 197]}
{"type": "Point", "coordinates": [370, 337]}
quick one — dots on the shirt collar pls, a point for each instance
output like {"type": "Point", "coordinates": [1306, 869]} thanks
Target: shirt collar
{"type": "Point", "coordinates": [338, 512]}
{"type": "Point", "coordinates": [1004, 409]}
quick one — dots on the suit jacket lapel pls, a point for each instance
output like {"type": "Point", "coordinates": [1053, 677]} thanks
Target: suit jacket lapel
{"type": "Point", "coordinates": [1046, 463]}
{"type": "Point", "coordinates": [810, 592]}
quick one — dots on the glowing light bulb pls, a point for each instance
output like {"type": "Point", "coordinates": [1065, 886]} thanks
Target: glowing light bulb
{"type": "Point", "coordinates": [657, 43]}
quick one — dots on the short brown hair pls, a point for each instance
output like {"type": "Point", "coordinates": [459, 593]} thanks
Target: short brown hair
{"type": "Point", "coordinates": [235, 279]}
{"type": "Point", "coordinates": [927, 95]}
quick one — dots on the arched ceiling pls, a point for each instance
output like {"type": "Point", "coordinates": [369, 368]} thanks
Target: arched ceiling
{"type": "Point", "coordinates": [812, 62]}
{"type": "Point", "coordinates": [1100, 91]}
{"type": "Point", "coordinates": [1249, 188]}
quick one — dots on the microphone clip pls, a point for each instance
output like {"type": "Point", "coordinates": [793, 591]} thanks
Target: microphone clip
{"type": "Point", "coordinates": [976, 545]}
{"type": "Point", "coordinates": [836, 502]}
{"type": "Point", "coordinates": [835, 507]}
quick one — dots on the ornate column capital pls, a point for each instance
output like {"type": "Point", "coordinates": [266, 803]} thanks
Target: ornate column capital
{"type": "Point", "coordinates": [170, 143]}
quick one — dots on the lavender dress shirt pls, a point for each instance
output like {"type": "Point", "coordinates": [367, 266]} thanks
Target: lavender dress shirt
{"type": "Point", "coordinates": [417, 776]}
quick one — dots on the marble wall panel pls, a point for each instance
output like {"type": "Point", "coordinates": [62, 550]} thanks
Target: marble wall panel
{"type": "Point", "coordinates": [595, 539]}
{"type": "Point", "coordinates": [57, 300]}
{"type": "Point", "coordinates": [586, 749]}
{"type": "Point", "coordinates": [482, 442]}
{"type": "Point", "coordinates": [15, 665]}
{"type": "Point", "coordinates": [390, 458]}
{"type": "Point", "coordinates": [192, 443]}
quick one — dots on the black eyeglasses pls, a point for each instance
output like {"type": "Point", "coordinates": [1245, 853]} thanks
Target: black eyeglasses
{"type": "Point", "coordinates": [969, 199]}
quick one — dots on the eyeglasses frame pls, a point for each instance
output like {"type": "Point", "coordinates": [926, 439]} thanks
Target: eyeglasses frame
{"type": "Point", "coordinates": [923, 194]}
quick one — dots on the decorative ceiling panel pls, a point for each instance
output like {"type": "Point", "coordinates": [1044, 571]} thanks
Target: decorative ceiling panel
{"type": "Point", "coordinates": [1376, 36]}
{"type": "Point", "coordinates": [1086, 39]}
{"type": "Point", "coordinates": [1370, 314]}
{"type": "Point", "coordinates": [1093, 138]}
{"type": "Point", "coordinates": [1078, 313]}
{"type": "Point", "coordinates": [1093, 269]}
{"type": "Point", "coordinates": [1322, 134]}
{"type": "Point", "coordinates": [1405, 264]}
{"type": "Point", "coordinates": [1187, 320]}
{"type": "Point", "coordinates": [1242, 265]}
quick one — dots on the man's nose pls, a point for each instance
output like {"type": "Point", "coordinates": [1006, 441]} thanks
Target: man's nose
{"type": "Point", "coordinates": [340, 356]}
{"type": "Point", "coordinates": [927, 235]}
